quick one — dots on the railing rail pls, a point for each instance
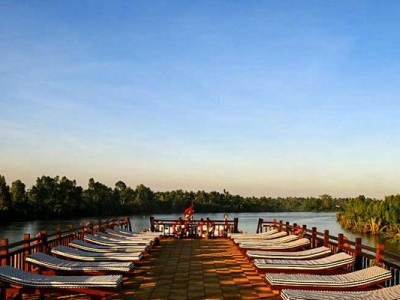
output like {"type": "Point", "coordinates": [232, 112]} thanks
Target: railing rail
{"type": "Point", "coordinates": [364, 255]}
{"type": "Point", "coordinates": [14, 254]}
{"type": "Point", "coordinates": [194, 228]}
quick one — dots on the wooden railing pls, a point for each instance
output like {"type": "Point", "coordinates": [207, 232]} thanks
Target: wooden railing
{"type": "Point", "coordinates": [364, 255]}
{"type": "Point", "coordinates": [14, 254]}
{"type": "Point", "coordinates": [194, 228]}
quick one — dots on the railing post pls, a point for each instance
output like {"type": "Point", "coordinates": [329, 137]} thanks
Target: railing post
{"type": "Point", "coordinates": [326, 238]}
{"type": "Point", "coordinates": [82, 231]}
{"type": "Point", "coordinates": [128, 223]}
{"type": "Point", "coordinates": [235, 225]}
{"type": "Point", "coordinates": [259, 226]}
{"type": "Point", "coordinates": [71, 232]}
{"type": "Point", "coordinates": [294, 229]}
{"type": "Point", "coordinates": [340, 242]}
{"type": "Point", "coordinates": [58, 233]}
{"type": "Point", "coordinates": [357, 255]}
{"type": "Point", "coordinates": [99, 227]}
{"type": "Point", "coordinates": [287, 227]}
{"type": "Point", "coordinates": [303, 231]}
{"type": "Point", "coordinates": [27, 250]}
{"type": "Point", "coordinates": [280, 226]}
{"type": "Point", "coordinates": [4, 252]}
{"type": "Point", "coordinates": [314, 237]}
{"type": "Point", "coordinates": [43, 237]}
{"type": "Point", "coordinates": [152, 226]}
{"type": "Point", "coordinates": [379, 253]}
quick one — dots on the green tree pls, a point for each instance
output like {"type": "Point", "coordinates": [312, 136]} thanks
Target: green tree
{"type": "Point", "coordinates": [5, 196]}
{"type": "Point", "coordinates": [99, 200]}
{"type": "Point", "coordinates": [144, 199]}
{"type": "Point", "coordinates": [19, 198]}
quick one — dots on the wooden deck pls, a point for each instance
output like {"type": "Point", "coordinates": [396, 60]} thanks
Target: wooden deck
{"type": "Point", "coordinates": [194, 269]}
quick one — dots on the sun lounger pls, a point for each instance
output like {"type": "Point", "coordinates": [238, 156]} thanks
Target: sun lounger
{"type": "Point", "coordinates": [17, 282]}
{"type": "Point", "coordinates": [280, 240]}
{"type": "Point", "coordinates": [46, 262]}
{"type": "Point", "coordinates": [126, 233]}
{"type": "Point", "coordinates": [387, 293]}
{"type": "Point", "coordinates": [234, 234]}
{"type": "Point", "coordinates": [107, 242]}
{"type": "Point", "coordinates": [327, 265]}
{"type": "Point", "coordinates": [78, 244]}
{"type": "Point", "coordinates": [149, 239]}
{"type": "Point", "coordinates": [302, 254]}
{"type": "Point", "coordinates": [77, 254]}
{"type": "Point", "coordinates": [270, 234]}
{"type": "Point", "coordinates": [361, 279]}
{"type": "Point", "coordinates": [259, 237]}
{"type": "Point", "coordinates": [289, 246]}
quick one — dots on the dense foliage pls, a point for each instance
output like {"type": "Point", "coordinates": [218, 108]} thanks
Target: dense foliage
{"type": "Point", "coordinates": [364, 215]}
{"type": "Point", "coordinates": [60, 197]}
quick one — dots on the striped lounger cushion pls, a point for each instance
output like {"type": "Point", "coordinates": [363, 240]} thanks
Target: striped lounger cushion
{"type": "Point", "coordinates": [108, 242]}
{"type": "Point", "coordinates": [30, 280]}
{"type": "Point", "coordinates": [303, 254]}
{"type": "Point", "coordinates": [57, 264]}
{"type": "Point", "coordinates": [78, 244]}
{"type": "Point", "coordinates": [148, 239]}
{"type": "Point", "coordinates": [125, 233]}
{"type": "Point", "coordinates": [353, 280]}
{"type": "Point", "coordinates": [388, 293]}
{"type": "Point", "coordinates": [260, 236]}
{"type": "Point", "coordinates": [334, 261]}
{"type": "Point", "coordinates": [280, 240]}
{"type": "Point", "coordinates": [235, 235]}
{"type": "Point", "coordinates": [298, 243]}
{"type": "Point", "coordinates": [77, 254]}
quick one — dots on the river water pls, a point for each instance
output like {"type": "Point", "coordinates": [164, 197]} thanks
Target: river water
{"type": "Point", "coordinates": [14, 231]}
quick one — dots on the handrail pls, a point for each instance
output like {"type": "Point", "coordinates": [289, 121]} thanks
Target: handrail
{"type": "Point", "coordinates": [364, 255]}
{"type": "Point", "coordinates": [194, 227]}
{"type": "Point", "coordinates": [14, 254]}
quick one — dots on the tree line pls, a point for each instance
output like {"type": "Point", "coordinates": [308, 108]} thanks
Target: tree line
{"type": "Point", "coordinates": [60, 197]}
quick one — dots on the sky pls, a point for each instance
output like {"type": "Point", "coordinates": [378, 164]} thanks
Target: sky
{"type": "Point", "coordinates": [260, 98]}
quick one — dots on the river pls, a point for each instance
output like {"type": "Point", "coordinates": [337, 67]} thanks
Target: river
{"type": "Point", "coordinates": [14, 231]}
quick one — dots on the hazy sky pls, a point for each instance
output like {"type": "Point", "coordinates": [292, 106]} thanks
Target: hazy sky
{"type": "Point", "coordinates": [261, 98]}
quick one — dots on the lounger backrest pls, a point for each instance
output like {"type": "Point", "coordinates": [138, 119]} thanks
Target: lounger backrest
{"type": "Point", "coordinates": [19, 277]}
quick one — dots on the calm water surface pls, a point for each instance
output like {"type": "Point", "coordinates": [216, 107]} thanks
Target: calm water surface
{"type": "Point", "coordinates": [247, 222]}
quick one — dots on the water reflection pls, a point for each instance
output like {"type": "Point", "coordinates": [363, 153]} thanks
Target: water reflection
{"type": "Point", "coordinates": [247, 222]}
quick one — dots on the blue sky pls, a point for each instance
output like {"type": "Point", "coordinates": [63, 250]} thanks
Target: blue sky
{"type": "Point", "coordinates": [261, 98]}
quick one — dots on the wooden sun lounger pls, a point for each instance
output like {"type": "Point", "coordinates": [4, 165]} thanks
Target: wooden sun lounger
{"type": "Point", "coordinates": [55, 265]}
{"type": "Point", "coordinates": [77, 254]}
{"type": "Point", "coordinates": [266, 242]}
{"type": "Point", "coordinates": [95, 239]}
{"type": "Point", "coordinates": [387, 293]}
{"type": "Point", "coordinates": [258, 237]}
{"type": "Point", "coordinates": [149, 239]}
{"type": "Point", "coordinates": [357, 280]}
{"type": "Point", "coordinates": [17, 282]}
{"type": "Point", "coordinates": [328, 265]}
{"type": "Point", "coordinates": [289, 246]}
{"type": "Point", "coordinates": [126, 233]}
{"type": "Point", "coordinates": [313, 253]}
{"type": "Point", "coordinates": [248, 244]}
{"type": "Point", "coordinates": [234, 234]}
{"type": "Point", "coordinates": [82, 245]}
